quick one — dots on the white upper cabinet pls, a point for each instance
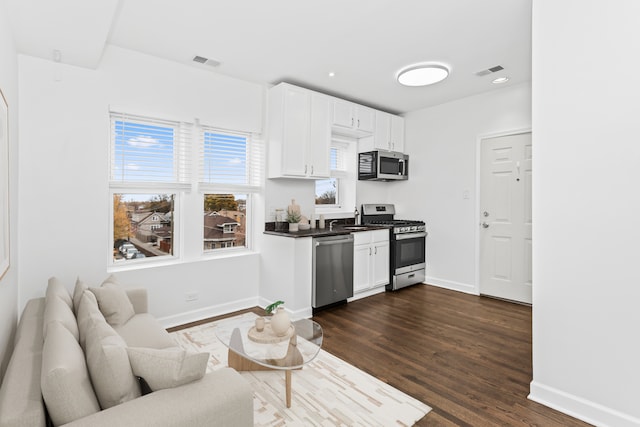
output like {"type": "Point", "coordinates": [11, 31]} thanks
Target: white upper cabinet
{"type": "Point", "coordinates": [319, 137]}
{"type": "Point", "coordinates": [299, 133]}
{"type": "Point", "coordinates": [352, 119]}
{"type": "Point", "coordinates": [389, 133]}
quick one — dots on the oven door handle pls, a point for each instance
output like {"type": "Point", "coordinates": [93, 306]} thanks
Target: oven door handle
{"type": "Point", "coordinates": [411, 236]}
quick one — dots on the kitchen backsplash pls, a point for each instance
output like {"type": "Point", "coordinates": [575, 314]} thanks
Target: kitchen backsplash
{"type": "Point", "coordinates": [271, 226]}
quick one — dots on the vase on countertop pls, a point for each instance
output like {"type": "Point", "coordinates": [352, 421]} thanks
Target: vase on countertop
{"type": "Point", "coordinates": [293, 226]}
{"type": "Point", "coordinates": [280, 322]}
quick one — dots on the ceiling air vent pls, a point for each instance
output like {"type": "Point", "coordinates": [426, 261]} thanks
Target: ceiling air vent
{"type": "Point", "coordinates": [206, 61]}
{"type": "Point", "coordinates": [490, 70]}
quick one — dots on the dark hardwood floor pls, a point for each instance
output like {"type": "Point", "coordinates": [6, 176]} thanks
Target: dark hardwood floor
{"type": "Point", "coordinates": [467, 357]}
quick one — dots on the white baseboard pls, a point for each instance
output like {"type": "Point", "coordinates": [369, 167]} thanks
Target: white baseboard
{"type": "Point", "coordinates": [206, 312]}
{"type": "Point", "coordinates": [367, 293]}
{"type": "Point", "coordinates": [577, 407]}
{"type": "Point", "coordinates": [454, 286]}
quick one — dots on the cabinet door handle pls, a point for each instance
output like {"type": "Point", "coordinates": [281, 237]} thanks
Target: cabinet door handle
{"type": "Point", "coordinates": [369, 251]}
{"type": "Point", "coordinates": [358, 123]}
{"type": "Point", "coordinates": [376, 250]}
{"type": "Point", "coordinates": [305, 168]}
{"type": "Point", "coordinates": [311, 169]}
{"type": "Point", "coordinates": [351, 121]}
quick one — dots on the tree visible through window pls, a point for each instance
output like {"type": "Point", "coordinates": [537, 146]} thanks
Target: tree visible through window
{"type": "Point", "coordinates": [142, 225]}
{"type": "Point", "coordinates": [327, 191]}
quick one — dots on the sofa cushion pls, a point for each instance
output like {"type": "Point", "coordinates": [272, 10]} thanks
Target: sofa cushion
{"type": "Point", "coordinates": [78, 290]}
{"type": "Point", "coordinates": [87, 308]}
{"type": "Point", "coordinates": [55, 287]}
{"type": "Point", "coordinates": [108, 364]}
{"type": "Point", "coordinates": [57, 310]}
{"type": "Point", "coordinates": [113, 303]}
{"type": "Point", "coordinates": [20, 394]}
{"type": "Point", "coordinates": [168, 367]}
{"type": "Point", "coordinates": [66, 387]}
{"type": "Point", "coordinates": [143, 330]}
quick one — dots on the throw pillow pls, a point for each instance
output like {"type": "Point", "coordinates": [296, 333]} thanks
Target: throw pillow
{"type": "Point", "coordinates": [58, 311]}
{"type": "Point", "coordinates": [111, 279]}
{"type": "Point", "coordinates": [56, 288]}
{"type": "Point", "coordinates": [114, 303]}
{"type": "Point", "coordinates": [66, 387]}
{"type": "Point", "coordinates": [88, 313]}
{"type": "Point", "coordinates": [77, 294]}
{"type": "Point", "coordinates": [111, 375]}
{"type": "Point", "coordinates": [168, 367]}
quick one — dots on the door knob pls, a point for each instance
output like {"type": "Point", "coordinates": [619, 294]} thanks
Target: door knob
{"type": "Point", "coordinates": [485, 225]}
{"type": "Point", "coordinates": [485, 213]}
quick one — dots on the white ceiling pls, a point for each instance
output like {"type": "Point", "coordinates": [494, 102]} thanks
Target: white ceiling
{"type": "Point", "coordinates": [365, 42]}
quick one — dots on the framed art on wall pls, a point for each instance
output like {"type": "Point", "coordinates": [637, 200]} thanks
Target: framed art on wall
{"type": "Point", "coordinates": [4, 185]}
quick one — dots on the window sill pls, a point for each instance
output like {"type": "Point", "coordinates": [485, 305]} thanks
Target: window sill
{"type": "Point", "coordinates": [208, 256]}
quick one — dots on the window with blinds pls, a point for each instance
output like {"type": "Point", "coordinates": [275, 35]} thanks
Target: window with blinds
{"type": "Point", "coordinates": [328, 190]}
{"type": "Point", "coordinates": [156, 163]}
{"type": "Point", "coordinates": [229, 161]}
{"type": "Point", "coordinates": [147, 152]}
{"type": "Point", "coordinates": [230, 172]}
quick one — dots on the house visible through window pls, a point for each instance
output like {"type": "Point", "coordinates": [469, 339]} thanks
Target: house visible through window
{"type": "Point", "coordinates": [224, 221]}
{"type": "Point", "coordinates": [142, 225]}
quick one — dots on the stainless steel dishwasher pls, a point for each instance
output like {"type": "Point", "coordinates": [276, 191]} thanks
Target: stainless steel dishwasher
{"type": "Point", "coordinates": [332, 269]}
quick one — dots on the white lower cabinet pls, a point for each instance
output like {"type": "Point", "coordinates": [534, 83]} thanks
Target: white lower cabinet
{"type": "Point", "coordinates": [370, 260]}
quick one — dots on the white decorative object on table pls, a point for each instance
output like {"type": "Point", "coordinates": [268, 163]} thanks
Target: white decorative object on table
{"type": "Point", "coordinates": [280, 322]}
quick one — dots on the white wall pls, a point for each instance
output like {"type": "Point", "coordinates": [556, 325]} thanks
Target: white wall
{"type": "Point", "coordinates": [442, 144]}
{"type": "Point", "coordinates": [9, 283]}
{"type": "Point", "coordinates": [64, 202]}
{"type": "Point", "coordinates": [586, 349]}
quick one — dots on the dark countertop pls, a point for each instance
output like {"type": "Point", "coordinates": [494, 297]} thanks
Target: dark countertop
{"type": "Point", "coordinates": [323, 232]}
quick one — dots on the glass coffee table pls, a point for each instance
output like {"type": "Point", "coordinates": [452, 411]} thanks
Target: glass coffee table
{"type": "Point", "coordinates": [260, 352]}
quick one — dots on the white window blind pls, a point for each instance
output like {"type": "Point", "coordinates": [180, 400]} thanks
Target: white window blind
{"type": "Point", "coordinates": [149, 153]}
{"type": "Point", "coordinates": [337, 162]}
{"type": "Point", "coordinates": [229, 161]}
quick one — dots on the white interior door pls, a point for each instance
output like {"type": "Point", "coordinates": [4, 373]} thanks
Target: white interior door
{"type": "Point", "coordinates": [505, 217]}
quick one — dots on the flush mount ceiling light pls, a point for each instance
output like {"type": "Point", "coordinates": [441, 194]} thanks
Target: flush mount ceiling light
{"type": "Point", "coordinates": [500, 80]}
{"type": "Point", "coordinates": [422, 75]}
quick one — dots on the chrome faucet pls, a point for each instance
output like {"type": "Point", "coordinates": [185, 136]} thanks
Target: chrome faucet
{"type": "Point", "coordinates": [331, 224]}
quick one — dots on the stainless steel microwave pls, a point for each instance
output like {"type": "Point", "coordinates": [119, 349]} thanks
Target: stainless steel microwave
{"type": "Point", "coordinates": [383, 165]}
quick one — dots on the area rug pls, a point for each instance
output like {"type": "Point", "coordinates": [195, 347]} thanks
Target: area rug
{"type": "Point", "coordinates": [326, 392]}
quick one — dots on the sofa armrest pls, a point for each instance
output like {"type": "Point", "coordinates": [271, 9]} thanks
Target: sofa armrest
{"type": "Point", "coordinates": [138, 298]}
{"type": "Point", "coordinates": [220, 398]}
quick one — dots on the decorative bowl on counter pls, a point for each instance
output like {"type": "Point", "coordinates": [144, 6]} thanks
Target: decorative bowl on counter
{"type": "Point", "coordinates": [302, 227]}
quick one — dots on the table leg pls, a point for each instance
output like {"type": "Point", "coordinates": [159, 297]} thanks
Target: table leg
{"type": "Point", "coordinates": [287, 377]}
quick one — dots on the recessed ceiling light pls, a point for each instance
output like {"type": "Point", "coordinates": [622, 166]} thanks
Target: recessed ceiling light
{"type": "Point", "coordinates": [332, 74]}
{"type": "Point", "coordinates": [500, 80]}
{"type": "Point", "coordinates": [422, 75]}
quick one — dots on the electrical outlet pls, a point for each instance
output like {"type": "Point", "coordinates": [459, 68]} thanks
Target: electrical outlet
{"type": "Point", "coordinates": [191, 296]}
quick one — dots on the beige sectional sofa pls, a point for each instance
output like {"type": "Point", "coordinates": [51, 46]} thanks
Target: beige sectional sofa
{"type": "Point", "coordinates": [98, 358]}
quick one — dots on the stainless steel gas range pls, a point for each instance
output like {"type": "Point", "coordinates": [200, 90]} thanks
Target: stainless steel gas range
{"type": "Point", "coordinates": [407, 239]}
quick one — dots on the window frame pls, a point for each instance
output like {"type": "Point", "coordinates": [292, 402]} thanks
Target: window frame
{"type": "Point", "coordinates": [345, 174]}
{"type": "Point", "coordinates": [254, 171]}
{"type": "Point", "coordinates": [187, 244]}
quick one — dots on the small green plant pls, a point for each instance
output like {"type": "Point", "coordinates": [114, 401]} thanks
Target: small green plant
{"type": "Point", "coordinates": [271, 307]}
{"type": "Point", "coordinates": [293, 216]}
